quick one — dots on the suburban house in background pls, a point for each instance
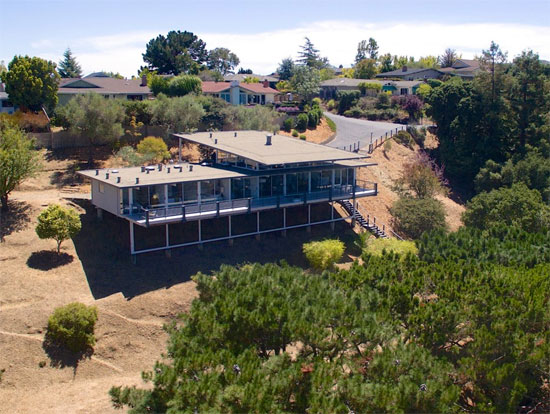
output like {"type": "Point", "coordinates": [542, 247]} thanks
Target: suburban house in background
{"type": "Point", "coordinates": [464, 68]}
{"type": "Point", "coordinates": [111, 88]}
{"type": "Point", "coordinates": [254, 183]}
{"type": "Point", "coordinates": [331, 87]}
{"type": "Point", "coordinates": [412, 74]}
{"type": "Point", "coordinates": [237, 93]}
{"type": "Point", "coordinates": [271, 79]}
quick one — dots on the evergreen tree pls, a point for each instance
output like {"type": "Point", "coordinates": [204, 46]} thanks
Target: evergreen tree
{"type": "Point", "coordinates": [310, 57]}
{"type": "Point", "coordinates": [68, 66]}
{"type": "Point", "coordinates": [286, 69]}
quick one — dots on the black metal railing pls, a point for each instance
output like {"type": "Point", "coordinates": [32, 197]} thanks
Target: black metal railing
{"type": "Point", "coordinates": [226, 207]}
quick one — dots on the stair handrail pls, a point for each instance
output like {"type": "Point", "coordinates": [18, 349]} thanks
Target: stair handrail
{"type": "Point", "coordinates": [397, 236]}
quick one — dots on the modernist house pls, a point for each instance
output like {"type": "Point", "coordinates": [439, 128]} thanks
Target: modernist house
{"type": "Point", "coordinates": [253, 183]}
{"type": "Point", "coordinates": [331, 87]}
{"type": "Point", "coordinates": [237, 93]}
{"type": "Point", "coordinates": [111, 88]}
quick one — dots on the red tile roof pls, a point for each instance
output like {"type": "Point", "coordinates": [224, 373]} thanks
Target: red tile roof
{"type": "Point", "coordinates": [214, 87]}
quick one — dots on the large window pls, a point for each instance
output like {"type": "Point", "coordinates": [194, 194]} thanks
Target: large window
{"type": "Point", "coordinates": [156, 195]}
{"type": "Point", "coordinates": [265, 186]}
{"type": "Point", "coordinates": [277, 185]}
{"type": "Point", "coordinates": [210, 190]}
{"type": "Point", "coordinates": [240, 188]}
{"type": "Point", "coordinates": [140, 196]}
{"type": "Point", "coordinates": [291, 183]}
{"type": "Point", "coordinates": [190, 192]}
{"type": "Point", "coordinates": [175, 193]}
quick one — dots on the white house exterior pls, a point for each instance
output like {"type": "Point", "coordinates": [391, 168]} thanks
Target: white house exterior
{"type": "Point", "coordinates": [237, 93]}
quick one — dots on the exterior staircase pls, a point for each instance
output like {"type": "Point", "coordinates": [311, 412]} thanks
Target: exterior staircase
{"type": "Point", "coordinates": [368, 224]}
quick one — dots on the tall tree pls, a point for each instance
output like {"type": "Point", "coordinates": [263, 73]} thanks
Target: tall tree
{"type": "Point", "coordinates": [306, 82]}
{"type": "Point", "coordinates": [492, 60]}
{"type": "Point", "coordinates": [386, 63]}
{"type": "Point", "coordinates": [31, 82]}
{"type": "Point", "coordinates": [309, 56]}
{"type": "Point", "coordinates": [178, 52]}
{"type": "Point", "coordinates": [222, 60]}
{"type": "Point", "coordinates": [243, 71]}
{"type": "Point", "coordinates": [365, 69]}
{"type": "Point", "coordinates": [448, 58]}
{"type": "Point", "coordinates": [68, 66]}
{"type": "Point", "coordinates": [286, 69]}
{"type": "Point", "coordinates": [367, 50]}
{"type": "Point", "coordinates": [18, 159]}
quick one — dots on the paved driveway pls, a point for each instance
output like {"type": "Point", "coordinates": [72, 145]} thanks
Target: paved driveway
{"type": "Point", "coordinates": [351, 130]}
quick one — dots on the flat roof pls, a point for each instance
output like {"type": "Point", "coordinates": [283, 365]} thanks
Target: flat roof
{"type": "Point", "coordinates": [128, 175]}
{"type": "Point", "coordinates": [283, 150]}
{"type": "Point", "coordinates": [199, 172]}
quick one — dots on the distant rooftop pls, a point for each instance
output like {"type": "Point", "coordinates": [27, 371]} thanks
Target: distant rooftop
{"type": "Point", "coordinates": [283, 150]}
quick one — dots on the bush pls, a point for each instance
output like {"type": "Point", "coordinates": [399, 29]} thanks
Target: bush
{"type": "Point", "coordinates": [316, 102]}
{"type": "Point", "coordinates": [183, 84]}
{"type": "Point", "coordinates": [159, 84]}
{"type": "Point", "coordinates": [387, 146]}
{"type": "Point", "coordinates": [377, 247]}
{"type": "Point", "coordinates": [354, 112]}
{"type": "Point", "coordinates": [302, 137]}
{"type": "Point", "coordinates": [314, 117]}
{"type": "Point", "coordinates": [295, 134]}
{"type": "Point", "coordinates": [404, 138]}
{"type": "Point", "coordinates": [331, 104]}
{"type": "Point", "coordinates": [418, 135]}
{"type": "Point", "coordinates": [414, 216]}
{"type": "Point", "coordinates": [515, 206]}
{"type": "Point", "coordinates": [288, 124]}
{"type": "Point", "coordinates": [347, 99]}
{"type": "Point", "coordinates": [153, 148]}
{"type": "Point", "coordinates": [369, 86]}
{"type": "Point", "coordinates": [383, 100]}
{"type": "Point", "coordinates": [130, 156]}
{"type": "Point", "coordinates": [72, 326]}
{"type": "Point", "coordinates": [58, 223]}
{"type": "Point", "coordinates": [322, 255]}
{"type": "Point", "coordinates": [301, 122]}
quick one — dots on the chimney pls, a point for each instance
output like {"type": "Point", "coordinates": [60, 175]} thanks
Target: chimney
{"type": "Point", "coordinates": [137, 180]}
{"type": "Point", "coordinates": [266, 83]}
{"type": "Point", "coordinates": [118, 179]}
{"type": "Point", "coordinates": [268, 139]}
{"type": "Point", "coordinates": [404, 68]}
{"type": "Point", "coordinates": [143, 80]}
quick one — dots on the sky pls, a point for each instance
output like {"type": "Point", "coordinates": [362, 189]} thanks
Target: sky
{"type": "Point", "coordinates": [112, 35]}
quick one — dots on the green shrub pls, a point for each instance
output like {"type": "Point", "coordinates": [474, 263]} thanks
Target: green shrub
{"type": "Point", "coordinates": [72, 326]}
{"type": "Point", "coordinates": [414, 216]}
{"type": "Point", "coordinates": [58, 223]}
{"type": "Point", "coordinates": [347, 99]}
{"type": "Point", "coordinates": [295, 134]}
{"type": "Point", "coordinates": [331, 104]}
{"type": "Point", "coordinates": [288, 124]}
{"type": "Point", "coordinates": [159, 84]}
{"type": "Point", "coordinates": [404, 138]}
{"type": "Point", "coordinates": [314, 117]}
{"type": "Point", "coordinates": [302, 137]}
{"type": "Point", "coordinates": [377, 246]}
{"type": "Point", "coordinates": [316, 102]}
{"type": "Point", "coordinates": [183, 84]}
{"type": "Point", "coordinates": [322, 255]}
{"type": "Point", "coordinates": [387, 146]}
{"type": "Point", "coordinates": [130, 156]}
{"type": "Point", "coordinates": [354, 112]}
{"type": "Point", "coordinates": [153, 147]}
{"type": "Point", "coordinates": [418, 135]}
{"type": "Point", "coordinates": [301, 122]}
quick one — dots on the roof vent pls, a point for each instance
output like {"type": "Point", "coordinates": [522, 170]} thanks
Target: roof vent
{"type": "Point", "coordinates": [211, 135]}
{"type": "Point", "coordinates": [190, 168]}
{"type": "Point", "coordinates": [168, 170]}
{"type": "Point", "coordinates": [107, 176]}
{"type": "Point", "coordinates": [96, 172]}
{"type": "Point", "coordinates": [235, 134]}
{"type": "Point", "coordinates": [118, 179]}
{"type": "Point", "coordinates": [215, 140]}
{"type": "Point", "coordinates": [268, 140]}
{"type": "Point", "coordinates": [142, 168]}
{"type": "Point", "coordinates": [137, 180]}
{"type": "Point", "coordinates": [160, 167]}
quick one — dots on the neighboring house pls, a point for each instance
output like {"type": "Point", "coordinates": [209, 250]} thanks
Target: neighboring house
{"type": "Point", "coordinates": [237, 93]}
{"type": "Point", "coordinates": [331, 87]}
{"type": "Point", "coordinates": [256, 183]}
{"type": "Point", "coordinates": [464, 68]}
{"type": "Point", "coordinates": [271, 79]}
{"type": "Point", "coordinates": [5, 104]}
{"type": "Point", "coordinates": [111, 88]}
{"type": "Point", "coordinates": [412, 74]}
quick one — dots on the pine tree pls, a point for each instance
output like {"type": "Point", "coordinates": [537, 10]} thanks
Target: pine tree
{"type": "Point", "coordinates": [309, 56]}
{"type": "Point", "coordinates": [69, 67]}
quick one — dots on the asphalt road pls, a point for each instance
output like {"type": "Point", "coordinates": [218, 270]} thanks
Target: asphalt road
{"type": "Point", "coordinates": [351, 130]}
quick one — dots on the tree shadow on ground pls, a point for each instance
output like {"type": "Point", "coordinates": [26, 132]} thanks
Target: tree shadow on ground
{"type": "Point", "coordinates": [17, 218]}
{"type": "Point", "coordinates": [60, 357]}
{"type": "Point", "coordinates": [80, 154]}
{"type": "Point", "coordinates": [69, 176]}
{"type": "Point", "coordinates": [103, 248]}
{"type": "Point", "coordinates": [47, 260]}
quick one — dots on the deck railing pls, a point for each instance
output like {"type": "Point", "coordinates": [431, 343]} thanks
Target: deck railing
{"type": "Point", "coordinates": [218, 208]}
